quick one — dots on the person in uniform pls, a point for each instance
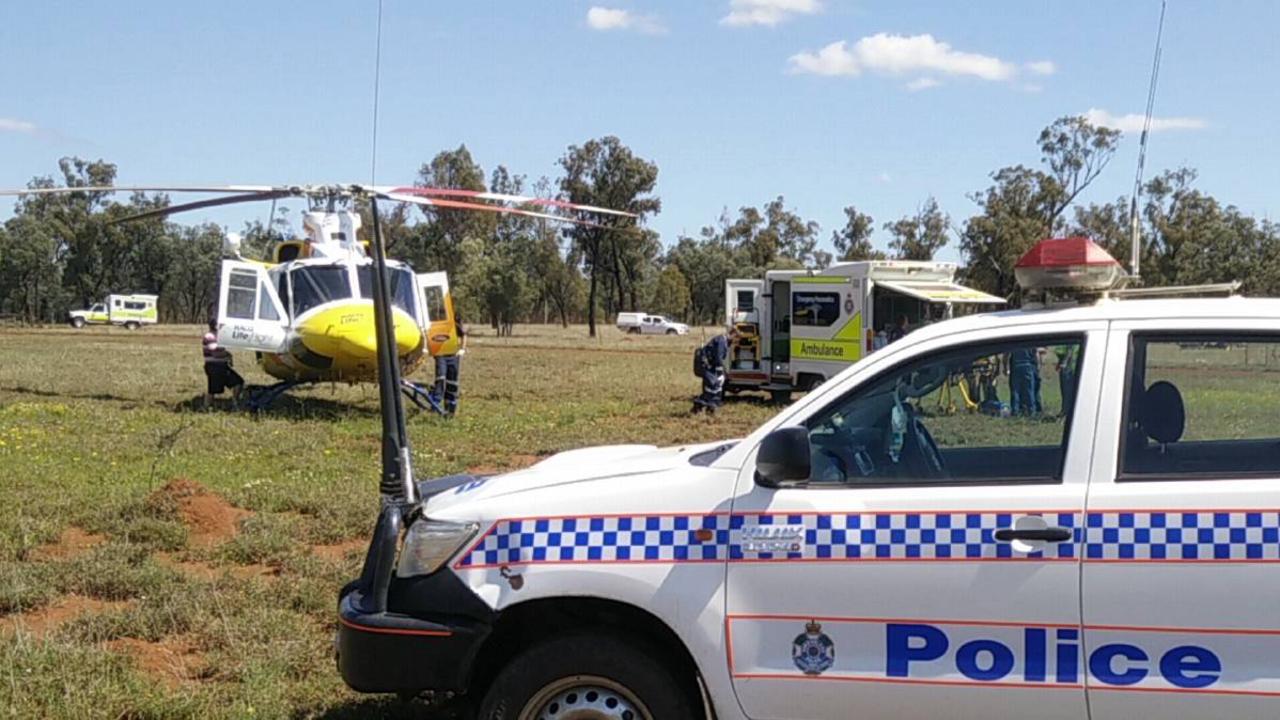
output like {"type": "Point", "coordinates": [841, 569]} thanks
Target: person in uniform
{"type": "Point", "coordinates": [1066, 357]}
{"type": "Point", "coordinates": [899, 329]}
{"type": "Point", "coordinates": [448, 369]}
{"type": "Point", "coordinates": [217, 368]}
{"type": "Point", "coordinates": [1023, 390]}
{"type": "Point", "coordinates": [714, 355]}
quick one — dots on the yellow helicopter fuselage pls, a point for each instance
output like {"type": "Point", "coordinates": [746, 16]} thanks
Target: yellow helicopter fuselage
{"type": "Point", "coordinates": [309, 316]}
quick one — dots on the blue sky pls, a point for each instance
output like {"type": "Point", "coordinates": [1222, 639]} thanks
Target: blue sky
{"type": "Point", "coordinates": [827, 102]}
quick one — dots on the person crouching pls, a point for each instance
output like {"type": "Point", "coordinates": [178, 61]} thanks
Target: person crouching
{"type": "Point", "coordinates": [714, 355]}
{"type": "Point", "coordinates": [217, 368]}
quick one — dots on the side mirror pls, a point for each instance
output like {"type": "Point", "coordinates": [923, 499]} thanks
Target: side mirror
{"type": "Point", "coordinates": [783, 457]}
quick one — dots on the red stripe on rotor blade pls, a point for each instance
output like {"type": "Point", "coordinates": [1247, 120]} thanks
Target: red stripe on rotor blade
{"type": "Point", "coordinates": [504, 197]}
{"type": "Point", "coordinates": [455, 204]}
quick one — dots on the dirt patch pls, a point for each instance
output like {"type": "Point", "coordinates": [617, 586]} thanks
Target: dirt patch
{"type": "Point", "coordinates": [69, 607]}
{"type": "Point", "coordinates": [72, 543]}
{"type": "Point", "coordinates": [515, 462]}
{"type": "Point", "coordinates": [173, 660]}
{"type": "Point", "coordinates": [210, 519]}
{"type": "Point", "coordinates": [204, 571]}
{"type": "Point", "coordinates": [338, 552]}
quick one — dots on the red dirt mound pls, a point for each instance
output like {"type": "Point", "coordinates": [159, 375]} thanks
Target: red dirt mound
{"type": "Point", "coordinates": [210, 519]}
{"type": "Point", "coordinates": [339, 551]}
{"type": "Point", "coordinates": [173, 660]}
{"type": "Point", "coordinates": [69, 607]}
{"type": "Point", "coordinates": [72, 543]}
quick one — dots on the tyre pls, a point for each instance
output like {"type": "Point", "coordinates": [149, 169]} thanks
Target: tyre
{"type": "Point", "coordinates": [131, 325]}
{"type": "Point", "coordinates": [633, 331]}
{"type": "Point", "coordinates": [77, 323]}
{"type": "Point", "coordinates": [585, 676]}
{"type": "Point", "coordinates": [673, 331]}
{"type": "Point", "coordinates": [780, 397]}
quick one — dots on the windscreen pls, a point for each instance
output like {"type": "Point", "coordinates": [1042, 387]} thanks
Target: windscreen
{"type": "Point", "coordinates": [318, 284]}
{"type": "Point", "coordinates": [403, 285]}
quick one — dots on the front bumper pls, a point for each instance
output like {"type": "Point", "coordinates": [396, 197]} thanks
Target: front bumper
{"type": "Point", "coordinates": [389, 652]}
{"type": "Point", "coordinates": [407, 635]}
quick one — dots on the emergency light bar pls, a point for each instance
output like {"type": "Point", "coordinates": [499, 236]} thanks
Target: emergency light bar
{"type": "Point", "coordinates": [1073, 263]}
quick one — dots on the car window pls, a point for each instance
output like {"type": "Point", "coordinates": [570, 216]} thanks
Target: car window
{"type": "Point", "coordinates": [990, 413]}
{"type": "Point", "coordinates": [1202, 407]}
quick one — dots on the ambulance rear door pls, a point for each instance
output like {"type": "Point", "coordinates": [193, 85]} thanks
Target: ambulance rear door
{"type": "Point", "coordinates": [826, 325]}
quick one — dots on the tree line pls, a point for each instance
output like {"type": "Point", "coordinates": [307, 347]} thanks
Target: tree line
{"type": "Point", "coordinates": [60, 252]}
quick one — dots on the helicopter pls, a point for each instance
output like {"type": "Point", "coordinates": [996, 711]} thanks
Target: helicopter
{"type": "Point", "coordinates": [308, 313]}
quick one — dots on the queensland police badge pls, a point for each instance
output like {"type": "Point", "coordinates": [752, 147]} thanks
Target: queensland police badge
{"type": "Point", "coordinates": [813, 652]}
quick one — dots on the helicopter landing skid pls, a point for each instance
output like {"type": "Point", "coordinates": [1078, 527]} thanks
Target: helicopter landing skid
{"type": "Point", "coordinates": [423, 396]}
{"type": "Point", "coordinates": [262, 398]}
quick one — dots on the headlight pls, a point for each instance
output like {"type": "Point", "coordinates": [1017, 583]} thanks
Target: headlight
{"type": "Point", "coordinates": [429, 543]}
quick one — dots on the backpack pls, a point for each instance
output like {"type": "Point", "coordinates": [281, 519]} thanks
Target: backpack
{"type": "Point", "coordinates": [699, 362]}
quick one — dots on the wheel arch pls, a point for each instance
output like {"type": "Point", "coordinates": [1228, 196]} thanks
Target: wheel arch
{"type": "Point", "coordinates": [522, 625]}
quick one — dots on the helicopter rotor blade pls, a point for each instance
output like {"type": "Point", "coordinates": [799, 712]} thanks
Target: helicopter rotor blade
{"type": "Point", "coordinates": [200, 204]}
{"type": "Point", "coordinates": [135, 188]}
{"type": "Point", "coordinates": [458, 205]}
{"type": "Point", "coordinates": [503, 197]}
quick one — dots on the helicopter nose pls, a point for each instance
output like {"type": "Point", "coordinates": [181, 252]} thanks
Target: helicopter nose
{"type": "Point", "coordinates": [349, 333]}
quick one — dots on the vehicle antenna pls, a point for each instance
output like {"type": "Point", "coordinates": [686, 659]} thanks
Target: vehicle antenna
{"type": "Point", "coordinates": [1135, 237]}
{"type": "Point", "coordinates": [397, 482]}
{"type": "Point", "coordinates": [377, 72]}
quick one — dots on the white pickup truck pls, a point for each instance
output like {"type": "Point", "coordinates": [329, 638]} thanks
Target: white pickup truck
{"type": "Point", "coordinates": [1109, 552]}
{"type": "Point", "coordinates": [645, 324]}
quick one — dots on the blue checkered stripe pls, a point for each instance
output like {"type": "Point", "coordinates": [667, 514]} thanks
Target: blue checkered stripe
{"type": "Point", "coordinates": [641, 538]}
{"type": "Point", "coordinates": [1183, 536]}
{"type": "Point", "coordinates": [904, 536]}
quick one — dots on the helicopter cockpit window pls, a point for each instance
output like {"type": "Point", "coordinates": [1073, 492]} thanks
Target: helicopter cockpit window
{"type": "Point", "coordinates": [403, 287]}
{"type": "Point", "coordinates": [318, 284]}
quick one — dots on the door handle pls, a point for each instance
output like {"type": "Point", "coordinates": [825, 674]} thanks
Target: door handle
{"type": "Point", "coordinates": [1051, 534]}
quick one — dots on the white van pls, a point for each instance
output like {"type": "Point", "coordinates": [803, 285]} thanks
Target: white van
{"type": "Point", "coordinates": [798, 328]}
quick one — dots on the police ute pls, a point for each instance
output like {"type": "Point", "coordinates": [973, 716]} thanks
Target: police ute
{"type": "Point", "coordinates": [1107, 547]}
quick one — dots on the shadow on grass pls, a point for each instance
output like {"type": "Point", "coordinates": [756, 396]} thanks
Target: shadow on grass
{"type": "Point", "coordinates": [384, 707]}
{"type": "Point", "coordinates": [24, 390]}
{"type": "Point", "coordinates": [288, 406]}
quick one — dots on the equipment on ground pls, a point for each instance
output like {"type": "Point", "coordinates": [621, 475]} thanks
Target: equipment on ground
{"type": "Point", "coordinates": [129, 311]}
{"type": "Point", "coordinates": [798, 328]}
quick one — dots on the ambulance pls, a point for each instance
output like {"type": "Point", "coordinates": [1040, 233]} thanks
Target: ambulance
{"type": "Point", "coordinates": [869, 553]}
{"type": "Point", "coordinates": [130, 311]}
{"type": "Point", "coordinates": [799, 328]}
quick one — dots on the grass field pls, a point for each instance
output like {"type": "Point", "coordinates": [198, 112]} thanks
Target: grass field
{"type": "Point", "coordinates": [161, 561]}
{"type": "Point", "coordinates": [158, 560]}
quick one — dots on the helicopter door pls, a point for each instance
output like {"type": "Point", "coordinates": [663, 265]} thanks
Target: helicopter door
{"type": "Point", "coordinates": [437, 313]}
{"type": "Point", "coordinates": [250, 316]}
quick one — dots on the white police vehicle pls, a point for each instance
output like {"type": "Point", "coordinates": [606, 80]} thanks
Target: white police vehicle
{"type": "Point", "coordinates": [869, 553]}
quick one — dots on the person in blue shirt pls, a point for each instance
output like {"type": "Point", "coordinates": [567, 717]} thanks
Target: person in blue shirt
{"type": "Point", "coordinates": [714, 356]}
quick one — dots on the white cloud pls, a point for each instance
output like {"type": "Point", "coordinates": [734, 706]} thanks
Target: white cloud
{"type": "Point", "coordinates": [1133, 122]}
{"type": "Point", "coordinates": [1042, 67]}
{"type": "Point", "coordinates": [898, 55]}
{"type": "Point", "coordinates": [923, 83]}
{"type": "Point", "coordinates": [18, 126]}
{"type": "Point", "coordinates": [602, 18]}
{"type": "Point", "coordinates": [884, 177]}
{"type": "Point", "coordinates": [767, 12]}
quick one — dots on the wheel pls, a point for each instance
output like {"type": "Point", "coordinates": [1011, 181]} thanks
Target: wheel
{"type": "Point", "coordinates": [586, 677]}
{"type": "Point", "coordinates": [672, 331]}
{"type": "Point", "coordinates": [77, 323]}
{"type": "Point", "coordinates": [131, 325]}
{"type": "Point", "coordinates": [780, 396]}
